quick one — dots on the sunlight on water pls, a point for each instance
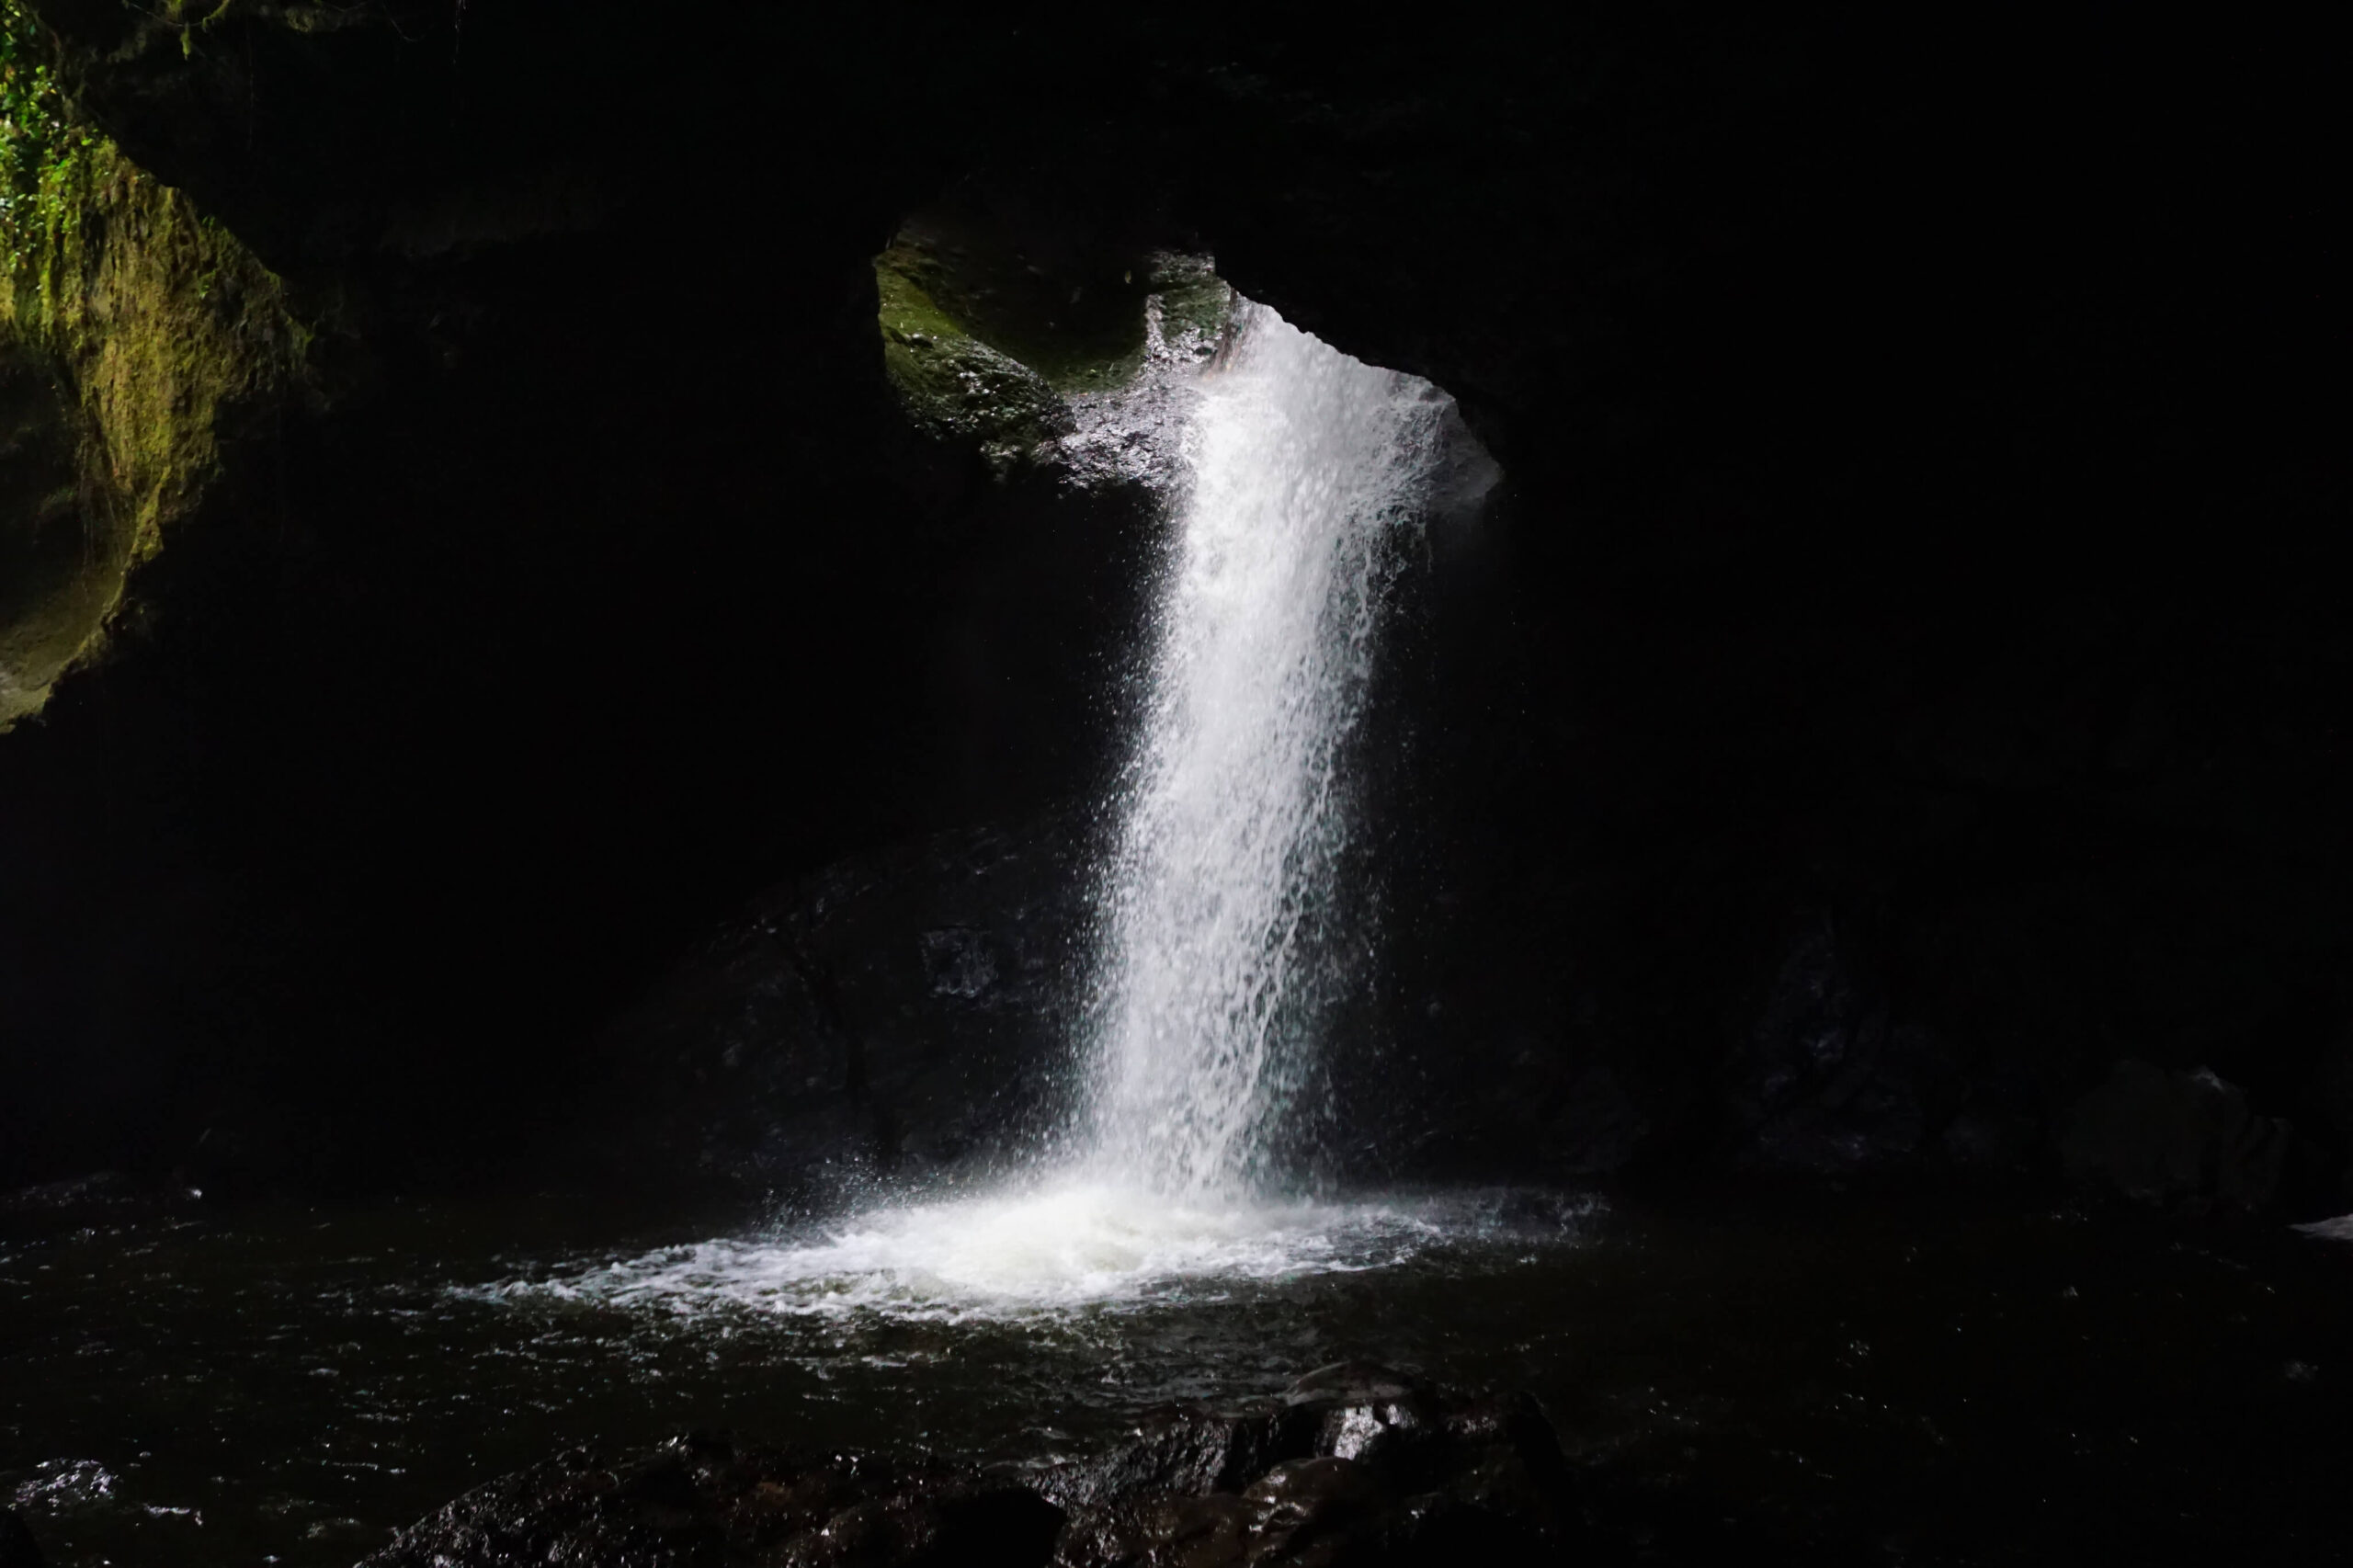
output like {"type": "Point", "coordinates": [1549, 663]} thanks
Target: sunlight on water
{"type": "Point", "coordinates": [1039, 1249]}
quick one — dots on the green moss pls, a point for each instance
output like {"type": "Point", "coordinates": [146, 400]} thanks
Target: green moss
{"type": "Point", "coordinates": [1078, 323]}
{"type": "Point", "coordinates": [38, 142]}
{"type": "Point", "coordinates": [956, 387]}
{"type": "Point", "coordinates": [991, 317]}
{"type": "Point", "coordinates": [1196, 304]}
{"type": "Point", "coordinates": [131, 328]}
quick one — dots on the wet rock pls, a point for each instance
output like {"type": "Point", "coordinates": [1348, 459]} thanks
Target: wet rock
{"type": "Point", "coordinates": [1163, 1530]}
{"type": "Point", "coordinates": [62, 1485]}
{"type": "Point", "coordinates": [1305, 1505]}
{"type": "Point", "coordinates": [1353, 1463]}
{"type": "Point", "coordinates": [1367, 1413]}
{"type": "Point", "coordinates": [1191, 1451]}
{"type": "Point", "coordinates": [17, 1549]}
{"type": "Point", "coordinates": [1046, 347]}
{"type": "Point", "coordinates": [2165, 1136]}
{"type": "Point", "coordinates": [705, 1501]}
{"type": "Point", "coordinates": [959, 389]}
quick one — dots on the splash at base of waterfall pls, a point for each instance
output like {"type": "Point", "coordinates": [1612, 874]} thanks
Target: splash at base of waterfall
{"type": "Point", "coordinates": [1051, 1247]}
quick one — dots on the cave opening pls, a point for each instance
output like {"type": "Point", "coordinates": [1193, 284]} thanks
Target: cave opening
{"type": "Point", "coordinates": [641, 620]}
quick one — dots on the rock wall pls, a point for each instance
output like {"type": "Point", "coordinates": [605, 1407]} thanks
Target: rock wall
{"type": "Point", "coordinates": [1896, 683]}
{"type": "Point", "coordinates": [136, 335]}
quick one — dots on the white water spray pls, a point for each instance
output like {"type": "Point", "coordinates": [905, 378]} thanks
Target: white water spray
{"type": "Point", "coordinates": [1222, 908]}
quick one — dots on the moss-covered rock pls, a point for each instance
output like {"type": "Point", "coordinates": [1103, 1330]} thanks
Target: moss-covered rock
{"type": "Point", "coordinates": [954, 386]}
{"type": "Point", "coordinates": [1192, 306]}
{"type": "Point", "coordinates": [998, 344]}
{"type": "Point", "coordinates": [131, 327]}
{"type": "Point", "coordinates": [45, 584]}
{"type": "Point", "coordinates": [1073, 311]}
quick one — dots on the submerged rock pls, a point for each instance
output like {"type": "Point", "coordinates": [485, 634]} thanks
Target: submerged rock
{"type": "Point", "coordinates": [1354, 1463]}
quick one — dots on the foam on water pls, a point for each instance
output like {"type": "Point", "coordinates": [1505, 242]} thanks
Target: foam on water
{"type": "Point", "coordinates": [1025, 1250]}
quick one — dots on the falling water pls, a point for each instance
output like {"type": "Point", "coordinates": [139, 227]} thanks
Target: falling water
{"type": "Point", "coordinates": [1224, 912]}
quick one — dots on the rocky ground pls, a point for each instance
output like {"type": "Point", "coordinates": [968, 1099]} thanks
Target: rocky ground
{"type": "Point", "coordinates": [1352, 1465]}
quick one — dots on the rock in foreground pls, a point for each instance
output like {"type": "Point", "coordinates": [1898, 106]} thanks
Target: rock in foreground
{"type": "Point", "coordinates": [1353, 1465]}
{"type": "Point", "coordinates": [703, 1501]}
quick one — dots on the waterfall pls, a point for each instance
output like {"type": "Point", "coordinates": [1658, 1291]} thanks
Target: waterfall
{"type": "Point", "coordinates": [1223, 915]}
{"type": "Point", "coordinates": [1226, 918]}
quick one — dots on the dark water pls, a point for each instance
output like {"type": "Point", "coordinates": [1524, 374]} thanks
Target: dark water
{"type": "Point", "coordinates": [1913, 1382]}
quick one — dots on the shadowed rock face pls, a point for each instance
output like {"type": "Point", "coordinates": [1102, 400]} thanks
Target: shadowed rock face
{"type": "Point", "coordinates": [897, 1016]}
{"type": "Point", "coordinates": [1912, 531]}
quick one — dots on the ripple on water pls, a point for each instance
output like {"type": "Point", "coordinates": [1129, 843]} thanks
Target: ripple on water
{"type": "Point", "coordinates": [1045, 1248]}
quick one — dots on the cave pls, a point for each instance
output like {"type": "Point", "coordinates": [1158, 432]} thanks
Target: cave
{"type": "Point", "coordinates": [594, 652]}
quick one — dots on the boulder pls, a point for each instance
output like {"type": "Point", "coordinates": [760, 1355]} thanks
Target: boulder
{"type": "Point", "coordinates": [1353, 1463]}
{"type": "Point", "coordinates": [901, 1013]}
{"type": "Point", "coordinates": [2165, 1136]}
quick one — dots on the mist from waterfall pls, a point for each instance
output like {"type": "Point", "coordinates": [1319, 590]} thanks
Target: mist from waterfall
{"type": "Point", "coordinates": [1223, 918]}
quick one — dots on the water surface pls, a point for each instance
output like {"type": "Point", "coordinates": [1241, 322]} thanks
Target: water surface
{"type": "Point", "coordinates": [1916, 1383]}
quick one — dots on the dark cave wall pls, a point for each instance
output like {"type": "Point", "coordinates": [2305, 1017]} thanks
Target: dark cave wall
{"type": "Point", "coordinates": [1873, 401]}
{"type": "Point", "coordinates": [1899, 681]}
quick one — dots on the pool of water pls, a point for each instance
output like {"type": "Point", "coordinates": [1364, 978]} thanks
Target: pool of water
{"type": "Point", "coordinates": [1915, 1382]}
